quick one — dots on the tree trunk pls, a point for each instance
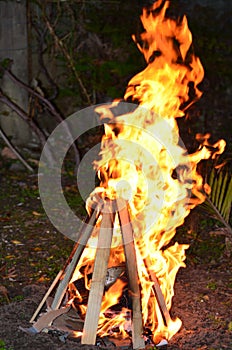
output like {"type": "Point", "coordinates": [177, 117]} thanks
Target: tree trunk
{"type": "Point", "coordinates": [13, 45]}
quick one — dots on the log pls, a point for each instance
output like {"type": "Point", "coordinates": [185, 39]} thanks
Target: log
{"type": "Point", "coordinates": [132, 270]}
{"type": "Point", "coordinates": [99, 277]}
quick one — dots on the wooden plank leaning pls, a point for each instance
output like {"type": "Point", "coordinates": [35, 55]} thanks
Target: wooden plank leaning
{"type": "Point", "coordinates": [158, 293]}
{"type": "Point", "coordinates": [87, 226]}
{"type": "Point", "coordinates": [83, 239]}
{"type": "Point", "coordinates": [99, 276]}
{"type": "Point", "coordinates": [132, 270]}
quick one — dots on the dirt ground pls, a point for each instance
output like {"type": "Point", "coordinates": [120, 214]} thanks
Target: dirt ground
{"type": "Point", "coordinates": [203, 301]}
{"type": "Point", "coordinates": [32, 252]}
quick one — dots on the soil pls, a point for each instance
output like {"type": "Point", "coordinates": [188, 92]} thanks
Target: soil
{"type": "Point", "coordinates": [205, 312]}
{"type": "Point", "coordinates": [33, 252]}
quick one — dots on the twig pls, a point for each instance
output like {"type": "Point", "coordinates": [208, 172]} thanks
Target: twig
{"type": "Point", "coordinates": [6, 100]}
{"type": "Point", "coordinates": [44, 68]}
{"type": "Point", "coordinates": [11, 146]}
{"type": "Point", "coordinates": [63, 49]}
{"type": "Point", "coordinates": [49, 106]}
{"type": "Point", "coordinates": [42, 138]}
{"type": "Point", "coordinates": [42, 48]}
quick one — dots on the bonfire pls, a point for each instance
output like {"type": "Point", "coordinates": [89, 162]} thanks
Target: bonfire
{"type": "Point", "coordinates": [122, 280]}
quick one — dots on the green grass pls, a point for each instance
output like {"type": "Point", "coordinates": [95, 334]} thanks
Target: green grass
{"type": "Point", "coordinates": [3, 346]}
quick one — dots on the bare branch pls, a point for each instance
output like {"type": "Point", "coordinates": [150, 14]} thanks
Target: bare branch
{"type": "Point", "coordinates": [49, 106]}
{"type": "Point", "coordinates": [12, 105]}
{"type": "Point", "coordinates": [64, 50]}
{"type": "Point", "coordinates": [17, 109]}
{"type": "Point", "coordinates": [11, 146]}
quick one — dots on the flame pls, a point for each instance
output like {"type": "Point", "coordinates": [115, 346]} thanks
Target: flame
{"type": "Point", "coordinates": [164, 85]}
{"type": "Point", "coordinates": [144, 162]}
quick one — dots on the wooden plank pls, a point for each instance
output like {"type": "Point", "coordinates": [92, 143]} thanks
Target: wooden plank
{"type": "Point", "coordinates": [98, 278]}
{"type": "Point", "coordinates": [158, 293]}
{"type": "Point", "coordinates": [46, 295]}
{"type": "Point", "coordinates": [46, 319]}
{"type": "Point", "coordinates": [57, 278]}
{"type": "Point", "coordinates": [132, 270]}
{"type": "Point", "coordinates": [77, 252]}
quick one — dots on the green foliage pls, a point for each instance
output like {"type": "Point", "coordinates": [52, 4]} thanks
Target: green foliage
{"type": "Point", "coordinates": [212, 285]}
{"type": "Point", "coordinates": [3, 345]}
{"type": "Point", "coordinates": [218, 203]}
{"type": "Point", "coordinates": [212, 44]}
{"type": "Point", "coordinates": [18, 298]}
{"type": "Point", "coordinates": [207, 249]}
{"type": "Point", "coordinates": [4, 64]}
{"type": "Point", "coordinates": [93, 47]}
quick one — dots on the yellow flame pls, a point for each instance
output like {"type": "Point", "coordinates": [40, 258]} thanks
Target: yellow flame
{"type": "Point", "coordinates": [144, 162]}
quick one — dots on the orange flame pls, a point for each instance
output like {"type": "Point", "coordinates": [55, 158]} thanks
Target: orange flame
{"type": "Point", "coordinates": [164, 85]}
{"type": "Point", "coordinates": [144, 162]}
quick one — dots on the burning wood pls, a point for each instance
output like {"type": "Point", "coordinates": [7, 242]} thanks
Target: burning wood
{"type": "Point", "coordinates": [69, 267]}
{"type": "Point", "coordinates": [98, 278]}
{"type": "Point", "coordinates": [66, 318]}
{"type": "Point", "coordinates": [151, 183]}
{"type": "Point", "coordinates": [132, 271]}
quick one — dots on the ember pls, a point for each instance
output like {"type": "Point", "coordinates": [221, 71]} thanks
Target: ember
{"type": "Point", "coordinates": [144, 165]}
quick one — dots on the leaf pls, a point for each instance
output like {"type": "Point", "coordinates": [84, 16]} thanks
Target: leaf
{"type": "Point", "coordinates": [42, 279]}
{"type": "Point", "coordinates": [9, 257]}
{"type": "Point", "coordinates": [6, 63]}
{"type": "Point", "coordinates": [16, 242]}
{"type": "Point", "coordinates": [4, 292]}
{"type": "Point", "coordinates": [4, 218]}
{"type": "Point", "coordinates": [218, 203]}
{"type": "Point", "coordinates": [221, 193]}
{"type": "Point", "coordinates": [226, 207]}
{"type": "Point", "coordinates": [37, 249]}
{"type": "Point", "coordinates": [11, 274]}
{"type": "Point", "coordinates": [36, 213]}
{"type": "Point", "coordinates": [8, 153]}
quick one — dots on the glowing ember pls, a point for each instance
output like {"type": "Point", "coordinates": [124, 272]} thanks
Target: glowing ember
{"type": "Point", "coordinates": [144, 162]}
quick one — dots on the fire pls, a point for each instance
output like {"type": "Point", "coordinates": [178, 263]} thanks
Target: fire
{"type": "Point", "coordinates": [144, 162]}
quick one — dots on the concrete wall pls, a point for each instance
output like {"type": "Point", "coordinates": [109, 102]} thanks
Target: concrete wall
{"type": "Point", "coordinates": [13, 45]}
